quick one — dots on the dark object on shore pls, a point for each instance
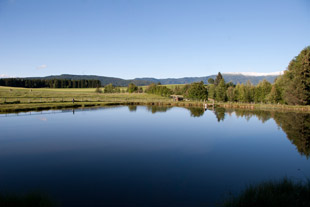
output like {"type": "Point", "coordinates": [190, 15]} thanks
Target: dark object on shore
{"type": "Point", "coordinates": [73, 100]}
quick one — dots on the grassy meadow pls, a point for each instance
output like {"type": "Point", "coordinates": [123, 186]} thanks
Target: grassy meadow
{"type": "Point", "coordinates": [13, 99]}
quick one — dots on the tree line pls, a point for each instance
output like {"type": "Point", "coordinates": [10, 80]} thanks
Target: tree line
{"type": "Point", "coordinates": [54, 83]}
{"type": "Point", "coordinates": [293, 87]}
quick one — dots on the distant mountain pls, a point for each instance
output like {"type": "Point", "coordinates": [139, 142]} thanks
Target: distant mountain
{"type": "Point", "coordinates": [104, 80]}
{"type": "Point", "coordinates": [228, 77]}
{"type": "Point", "coordinates": [255, 78]}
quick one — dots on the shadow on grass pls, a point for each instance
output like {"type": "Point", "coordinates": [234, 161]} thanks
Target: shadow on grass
{"type": "Point", "coordinates": [26, 200]}
{"type": "Point", "coordinates": [282, 193]}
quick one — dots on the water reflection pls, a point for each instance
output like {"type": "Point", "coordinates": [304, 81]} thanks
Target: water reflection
{"type": "Point", "coordinates": [295, 125]}
{"type": "Point", "coordinates": [155, 109]}
{"type": "Point", "coordinates": [220, 114]}
{"type": "Point", "coordinates": [196, 111]}
{"type": "Point", "coordinates": [297, 128]}
{"type": "Point", "coordinates": [184, 157]}
{"type": "Point", "coordinates": [132, 108]}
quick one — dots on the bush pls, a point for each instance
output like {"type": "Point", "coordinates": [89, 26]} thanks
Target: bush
{"type": "Point", "coordinates": [98, 90]}
{"type": "Point", "coordinates": [197, 91]}
{"type": "Point", "coordinates": [132, 88]}
{"type": "Point", "coordinates": [111, 89]}
{"type": "Point", "coordinates": [159, 90]}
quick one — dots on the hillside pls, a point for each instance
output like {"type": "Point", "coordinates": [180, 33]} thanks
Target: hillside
{"type": "Point", "coordinates": [104, 80]}
{"type": "Point", "coordinates": [235, 78]}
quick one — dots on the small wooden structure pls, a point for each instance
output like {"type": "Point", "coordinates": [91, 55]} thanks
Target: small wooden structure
{"type": "Point", "coordinates": [177, 98]}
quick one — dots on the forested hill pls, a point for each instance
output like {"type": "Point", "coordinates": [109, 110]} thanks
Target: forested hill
{"type": "Point", "coordinates": [103, 79]}
{"type": "Point", "coordinates": [235, 78]}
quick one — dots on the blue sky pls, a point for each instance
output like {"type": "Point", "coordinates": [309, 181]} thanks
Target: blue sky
{"type": "Point", "coordinates": [150, 38]}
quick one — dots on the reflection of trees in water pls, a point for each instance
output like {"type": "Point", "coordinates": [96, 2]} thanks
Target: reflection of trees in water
{"type": "Point", "coordinates": [220, 114]}
{"type": "Point", "coordinates": [260, 114]}
{"type": "Point", "coordinates": [295, 125]}
{"type": "Point", "coordinates": [132, 108]}
{"type": "Point", "coordinates": [196, 111]}
{"type": "Point", "coordinates": [297, 128]}
{"type": "Point", "coordinates": [155, 109]}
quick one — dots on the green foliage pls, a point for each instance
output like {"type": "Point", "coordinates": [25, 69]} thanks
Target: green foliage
{"type": "Point", "coordinates": [181, 90]}
{"type": "Point", "coordinates": [275, 94]}
{"type": "Point", "coordinates": [211, 91]}
{"type": "Point", "coordinates": [140, 90]}
{"type": "Point", "coordinates": [132, 88]}
{"type": "Point", "coordinates": [98, 90]}
{"type": "Point", "coordinates": [220, 91]}
{"type": "Point", "coordinates": [273, 193]}
{"type": "Point", "coordinates": [159, 90]}
{"type": "Point", "coordinates": [218, 79]}
{"type": "Point", "coordinates": [197, 91]}
{"type": "Point", "coordinates": [111, 89]}
{"type": "Point", "coordinates": [230, 94]}
{"type": "Point", "coordinates": [297, 78]}
{"type": "Point", "coordinates": [211, 81]}
{"type": "Point", "coordinates": [261, 91]}
{"type": "Point", "coordinates": [53, 83]}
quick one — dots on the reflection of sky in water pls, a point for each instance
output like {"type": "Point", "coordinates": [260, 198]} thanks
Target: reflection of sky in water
{"type": "Point", "coordinates": [139, 155]}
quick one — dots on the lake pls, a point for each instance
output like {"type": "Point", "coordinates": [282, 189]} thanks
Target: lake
{"type": "Point", "coordinates": [148, 155]}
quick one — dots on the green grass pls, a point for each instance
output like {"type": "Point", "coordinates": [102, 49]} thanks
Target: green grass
{"type": "Point", "coordinates": [47, 95]}
{"type": "Point", "coordinates": [24, 99]}
{"type": "Point", "coordinates": [283, 193]}
{"type": "Point", "coordinates": [14, 99]}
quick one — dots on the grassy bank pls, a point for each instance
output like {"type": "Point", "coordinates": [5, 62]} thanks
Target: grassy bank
{"type": "Point", "coordinates": [265, 106]}
{"type": "Point", "coordinates": [24, 99]}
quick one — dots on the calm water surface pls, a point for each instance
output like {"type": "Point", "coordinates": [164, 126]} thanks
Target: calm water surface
{"type": "Point", "coordinates": [149, 156]}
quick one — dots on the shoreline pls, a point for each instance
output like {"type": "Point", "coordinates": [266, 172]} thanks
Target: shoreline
{"type": "Point", "coordinates": [27, 107]}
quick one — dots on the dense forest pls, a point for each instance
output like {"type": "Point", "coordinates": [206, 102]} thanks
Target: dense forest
{"type": "Point", "coordinates": [293, 87]}
{"type": "Point", "coordinates": [103, 79]}
{"type": "Point", "coordinates": [55, 83]}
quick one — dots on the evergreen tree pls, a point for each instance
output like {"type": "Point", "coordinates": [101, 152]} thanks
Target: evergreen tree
{"type": "Point", "coordinates": [297, 77]}
{"type": "Point", "coordinates": [231, 94]}
{"type": "Point", "coordinates": [221, 91]}
{"type": "Point", "coordinates": [218, 79]}
{"type": "Point", "coordinates": [261, 91]}
{"type": "Point", "coordinates": [274, 95]}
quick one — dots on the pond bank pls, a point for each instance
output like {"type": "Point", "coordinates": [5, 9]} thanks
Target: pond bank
{"type": "Point", "coordinates": [16, 108]}
{"type": "Point", "coordinates": [26, 107]}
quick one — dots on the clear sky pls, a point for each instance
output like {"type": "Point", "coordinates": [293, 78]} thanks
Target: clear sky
{"type": "Point", "coordinates": [150, 38]}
